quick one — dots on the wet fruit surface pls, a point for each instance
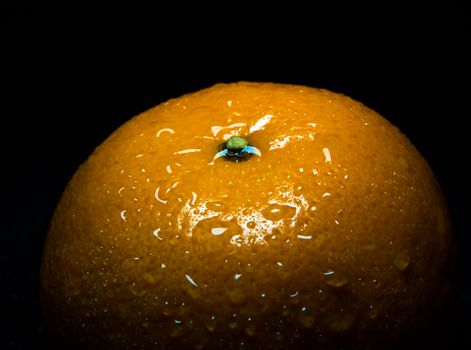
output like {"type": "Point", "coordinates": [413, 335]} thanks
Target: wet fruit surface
{"type": "Point", "coordinates": [335, 232]}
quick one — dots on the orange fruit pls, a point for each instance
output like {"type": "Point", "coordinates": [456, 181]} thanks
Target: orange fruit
{"type": "Point", "coordinates": [332, 231]}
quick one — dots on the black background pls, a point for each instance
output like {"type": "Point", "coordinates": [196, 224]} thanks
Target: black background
{"type": "Point", "coordinates": [70, 77]}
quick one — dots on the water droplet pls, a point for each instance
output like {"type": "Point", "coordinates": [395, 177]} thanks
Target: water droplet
{"type": "Point", "coordinates": [402, 260]}
{"type": "Point", "coordinates": [163, 191]}
{"type": "Point", "coordinates": [251, 224]}
{"type": "Point", "coordinates": [150, 278]}
{"type": "Point", "coordinates": [321, 295]}
{"type": "Point", "coordinates": [335, 279]}
{"type": "Point", "coordinates": [211, 325]}
{"type": "Point", "coordinates": [237, 296]}
{"type": "Point", "coordinates": [372, 312]}
{"type": "Point", "coordinates": [304, 237]}
{"type": "Point", "coordinates": [237, 276]}
{"type": "Point", "coordinates": [326, 151]}
{"type": "Point", "coordinates": [218, 230]}
{"type": "Point", "coordinates": [145, 324]}
{"type": "Point", "coordinates": [105, 309]}
{"type": "Point", "coordinates": [402, 162]}
{"type": "Point", "coordinates": [176, 332]}
{"type": "Point", "coordinates": [167, 309]}
{"type": "Point", "coordinates": [156, 233]}
{"type": "Point", "coordinates": [285, 312]}
{"type": "Point", "coordinates": [250, 330]}
{"type": "Point", "coordinates": [341, 322]}
{"type": "Point", "coordinates": [165, 130]}
{"type": "Point", "coordinates": [190, 280]}
{"type": "Point", "coordinates": [233, 325]}
{"type": "Point", "coordinates": [276, 212]}
{"type": "Point", "coordinates": [279, 336]}
{"type": "Point", "coordinates": [134, 289]}
{"type": "Point", "coordinates": [75, 292]}
{"type": "Point", "coordinates": [259, 124]}
{"type": "Point", "coordinates": [307, 321]}
{"type": "Point", "coordinates": [298, 190]}
{"type": "Point", "coordinates": [215, 206]}
{"type": "Point", "coordinates": [132, 266]}
{"type": "Point", "coordinates": [279, 263]}
{"type": "Point", "coordinates": [189, 150]}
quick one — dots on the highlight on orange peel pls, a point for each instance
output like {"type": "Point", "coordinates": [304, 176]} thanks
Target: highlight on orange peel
{"type": "Point", "coordinates": [248, 216]}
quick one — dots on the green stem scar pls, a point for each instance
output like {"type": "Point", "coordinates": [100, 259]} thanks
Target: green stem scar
{"type": "Point", "coordinates": [236, 149]}
{"type": "Point", "coordinates": [236, 143]}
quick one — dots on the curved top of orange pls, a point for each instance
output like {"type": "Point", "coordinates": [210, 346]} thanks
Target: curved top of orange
{"type": "Point", "coordinates": [337, 225]}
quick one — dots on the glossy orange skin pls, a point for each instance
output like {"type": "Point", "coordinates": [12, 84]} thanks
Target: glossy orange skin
{"type": "Point", "coordinates": [336, 235]}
